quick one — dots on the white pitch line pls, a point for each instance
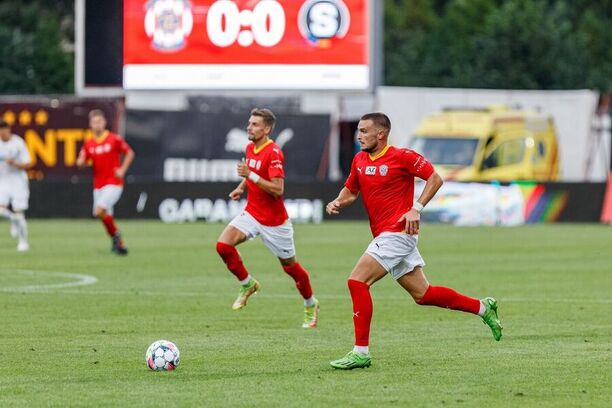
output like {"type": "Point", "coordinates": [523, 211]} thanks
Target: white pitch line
{"type": "Point", "coordinates": [79, 280]}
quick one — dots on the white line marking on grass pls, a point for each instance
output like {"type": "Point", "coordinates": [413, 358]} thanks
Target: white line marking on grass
{"type": "Point", "coordinates": [78, 280]}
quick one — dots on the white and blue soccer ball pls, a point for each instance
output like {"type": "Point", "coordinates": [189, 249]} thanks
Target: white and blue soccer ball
{"type": "Point", "coordinates": [163, 355]}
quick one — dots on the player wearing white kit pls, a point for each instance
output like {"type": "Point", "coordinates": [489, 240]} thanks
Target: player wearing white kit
{"type": "Point", "coordinates": [14, 189]}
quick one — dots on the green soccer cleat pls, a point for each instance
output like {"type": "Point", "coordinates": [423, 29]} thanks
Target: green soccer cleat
{"type": "Point", "coordinates": [490, 317]}
{"type": "Point", "coordinates": [245, 291]}
{"type": "Point", "coordinates": [311, 315]}
{"type": "Point", "coordinates": [352, 360]}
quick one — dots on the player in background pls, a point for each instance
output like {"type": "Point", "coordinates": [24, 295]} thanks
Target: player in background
{"type": "Point", "coordinates": [14, 189]}
{"type": "Point", "coordinates": [264, 215]}
{"type": "Point", "coordinates": [385, 177]}
{"type": "Point", "coordinates": [105, 151]}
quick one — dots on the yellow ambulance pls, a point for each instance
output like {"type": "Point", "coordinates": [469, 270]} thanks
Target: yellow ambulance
{"type": "Point", "coordinates": [496, 143]}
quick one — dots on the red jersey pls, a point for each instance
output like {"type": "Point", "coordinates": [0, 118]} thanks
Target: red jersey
{"type": "Point", "coordinates": [105, 155]}
{"type": "Point", "coordinates": [386, 182]}
{"type": "Point", "coordinates": [267, 162]}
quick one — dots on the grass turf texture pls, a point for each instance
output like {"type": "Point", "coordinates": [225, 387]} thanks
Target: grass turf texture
{"type": "Point", "coordinates": [85, 345]}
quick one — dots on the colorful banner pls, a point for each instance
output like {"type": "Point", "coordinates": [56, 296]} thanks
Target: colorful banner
{"type": "Point", "coordinates": [246, 44]}
{"type": "Point", "coordinates": [470, 204]}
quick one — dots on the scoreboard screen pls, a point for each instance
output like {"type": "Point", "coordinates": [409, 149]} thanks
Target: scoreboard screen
{"type": "Point", "coordinates": [247, 44]}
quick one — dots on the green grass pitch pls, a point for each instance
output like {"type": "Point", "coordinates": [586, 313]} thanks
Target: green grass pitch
{"type": "Point", "coordinates": [84, 345]}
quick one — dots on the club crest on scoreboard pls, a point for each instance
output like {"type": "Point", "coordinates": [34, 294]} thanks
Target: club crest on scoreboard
{"type": "Point", "coordinates": [320, 21]}
{"type": "Point", "coordinates": [168, 23]}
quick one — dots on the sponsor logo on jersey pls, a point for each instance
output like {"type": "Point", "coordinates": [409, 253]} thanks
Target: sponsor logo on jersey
{"type": "Point", "coordinates": [101, 149]}
{"type": "Point", "coordinates": [255, 164]}
{"type": "Point", "coordinates": [384, 169]}
{"type": "Point", "coordinates": [370, 170]}
{"type": "Point", "coordinates": [168, 23]}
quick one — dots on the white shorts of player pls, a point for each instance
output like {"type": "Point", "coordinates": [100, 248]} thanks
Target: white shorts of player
{"type": "Point", "coordinates": [16, 194]}
{"type": "Point", "coordinates": [106, 197]}
{"type": "Point", "coordinates": [396, 252]}
{"type": "Point", "coordinates": [278, 239]}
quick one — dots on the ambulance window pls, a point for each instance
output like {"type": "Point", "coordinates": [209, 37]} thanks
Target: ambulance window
{"type": "Point", "coordinates": [507, 153]}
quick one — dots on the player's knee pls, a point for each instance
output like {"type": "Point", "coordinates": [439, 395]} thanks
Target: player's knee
{"type": "Point", "coordinates": [224, 249]}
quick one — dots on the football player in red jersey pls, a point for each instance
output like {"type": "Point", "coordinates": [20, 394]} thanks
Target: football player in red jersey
{"type": "Point", "coordinates": [105, 151]}
{"type": "Point", "coordinates": [385, 177]}
{"type": "Point", "coordinates": [264, 215]}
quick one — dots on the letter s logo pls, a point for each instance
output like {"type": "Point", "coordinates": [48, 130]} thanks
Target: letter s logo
{"type": "Point", "coordinates": [323, 20]}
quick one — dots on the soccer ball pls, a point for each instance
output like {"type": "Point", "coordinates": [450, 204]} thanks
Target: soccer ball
{"type": "Point", "coordinates": [162, 355]}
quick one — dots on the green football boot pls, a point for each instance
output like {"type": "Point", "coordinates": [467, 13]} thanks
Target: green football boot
{"type": "Point", "coordinates": [245, 292]}
{"type": "Point", "coordinates": [352, 360]}
{"type": "Point", "coordinates": [311, 315]}
{"type": "Point", "coordinates": [490, 317]}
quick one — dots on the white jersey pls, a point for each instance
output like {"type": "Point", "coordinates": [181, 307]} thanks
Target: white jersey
{"type": "Point", "coordinates": [15, 149]}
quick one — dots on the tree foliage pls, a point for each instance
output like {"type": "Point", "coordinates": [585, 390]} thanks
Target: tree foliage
{"type": "Point", "coordinates": [513, 44]}
{"type": "Point", "coordinates": [33, 58]}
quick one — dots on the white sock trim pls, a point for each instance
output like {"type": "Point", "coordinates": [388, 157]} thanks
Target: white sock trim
{"type": "Point", "coordinates": [482, 309]}
{"type": "Point", "coordinates": [365, 350]}
{"type": "Point", "coordinates": [310, 301]}
{"type": "Point", "coordinates": [246, 280]}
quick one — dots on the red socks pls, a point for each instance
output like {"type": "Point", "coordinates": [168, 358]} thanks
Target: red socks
{"type": "Point", "coordinates": [109, 224]}
{"type": "Point", "coordinates": [362, 311]}
{"type": "Point", "coordinates": [446, 297]}
{"type": "Point", "coordinates": [300, 276]}
{"type": "Point", "coordinates": [230, 256]}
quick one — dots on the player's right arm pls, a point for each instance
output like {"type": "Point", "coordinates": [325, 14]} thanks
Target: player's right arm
{"type": "Point", "coordinates": [82, 158]}
{"type": "Point", "coordinates": [344, 199]}
{"type": "Point", "coordinates": [348, 194]}
{"type": "Point", "coordinates": [238, 191]}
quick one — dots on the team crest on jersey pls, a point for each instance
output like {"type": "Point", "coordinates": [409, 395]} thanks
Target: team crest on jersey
{"type": "Point", "coordinates": [168, 23]}
{"type": "Point", "coordinates": [384, 169]}
{"type": "Point", "coordinates": [370, 170]}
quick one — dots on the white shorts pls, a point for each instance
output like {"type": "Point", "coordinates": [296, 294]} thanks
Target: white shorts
{"type": "Point", "coordinates": [278, 239]}
{"type": "Point", "coordinates": [106, 197]}
{"type": "Point", "coordinates": [397, 252]}
{"type": "Point", "coordinates": [15, 194]}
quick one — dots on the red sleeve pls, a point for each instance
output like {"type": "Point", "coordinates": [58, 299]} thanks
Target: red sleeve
{"type": "Point", "coordinates": [352, 181]}
{"type": "Point", "coordinates": [277, 160]}
{"type": "Point", "coordinates": [417, 164]}
{"type": "Point", "coordinates": [122, 145]}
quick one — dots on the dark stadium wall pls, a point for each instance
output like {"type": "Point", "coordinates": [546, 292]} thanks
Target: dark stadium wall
{"type": "Point", "coordinates": [190, 202]}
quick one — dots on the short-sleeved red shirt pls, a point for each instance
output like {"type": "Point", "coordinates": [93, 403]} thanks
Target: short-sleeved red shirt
{"type": "Point", "coordinates": [267, 162]}
{"type": "Point", "coordinates": [386, 183]}
{"type": "Point", "coordinates": [105, 155]}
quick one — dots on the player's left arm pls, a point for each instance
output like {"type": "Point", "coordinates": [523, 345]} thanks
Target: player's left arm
{"type": "Point", "coordinates": [22, 162]}
{"type": "Point", "coordinates": [418, 166]}
{"type": "Point", "coordinates": [413, 216]}
{"type": "Point", "coordinates": [275, 186]}
{"type": "Point", "coordinates": [21, 166]}
{"type": "Point", "coordinates": [128, 158]}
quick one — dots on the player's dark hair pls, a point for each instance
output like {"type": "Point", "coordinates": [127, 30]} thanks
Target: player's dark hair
{"type": "Point", "coordinates": [96, 112]}
{"type": "Point", "coordinates": [380, 120]}
{"type": "Point", "coordinates": [4, 124]}
{"type": "Point", "coordinates": [268, 117]}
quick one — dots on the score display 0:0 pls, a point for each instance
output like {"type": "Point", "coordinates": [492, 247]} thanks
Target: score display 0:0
{"type": "Point", "coordinates": [266, 24]}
